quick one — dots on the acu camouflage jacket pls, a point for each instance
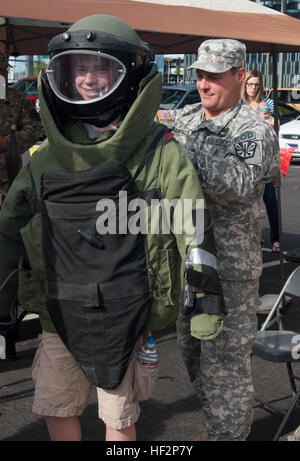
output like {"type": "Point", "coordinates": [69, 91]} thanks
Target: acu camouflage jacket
{"type": "Point", "coordinates": [234, 154]}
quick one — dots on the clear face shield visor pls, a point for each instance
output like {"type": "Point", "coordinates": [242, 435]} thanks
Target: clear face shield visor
{"type": "Point", "coordinates": [83, 76]}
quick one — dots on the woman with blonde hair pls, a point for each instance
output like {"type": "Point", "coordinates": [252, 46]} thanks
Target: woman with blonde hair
{"type": "Point", "coordinates": [252, 94]}
{"type": "Point", "coordinates": [252, 88]}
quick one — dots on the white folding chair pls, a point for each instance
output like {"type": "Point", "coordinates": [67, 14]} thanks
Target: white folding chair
{"type": "Point", "coordinates": [280, 346]}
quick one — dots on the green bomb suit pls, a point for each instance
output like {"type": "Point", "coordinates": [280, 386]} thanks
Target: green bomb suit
{"type": "Point", "coordinates": [169, 170]}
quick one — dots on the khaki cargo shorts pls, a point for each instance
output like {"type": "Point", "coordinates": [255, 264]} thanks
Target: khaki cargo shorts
{"type": "Point", "coordinates": [61, 388]}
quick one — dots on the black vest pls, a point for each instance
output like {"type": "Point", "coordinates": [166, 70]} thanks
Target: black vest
{"type": "Point", "coordinates": [98, 286]}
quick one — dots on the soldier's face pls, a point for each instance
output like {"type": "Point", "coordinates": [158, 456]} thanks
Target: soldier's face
{"type": "Point", "coordinates": [219, 91]}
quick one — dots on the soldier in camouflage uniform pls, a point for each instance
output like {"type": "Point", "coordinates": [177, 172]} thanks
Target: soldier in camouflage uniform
{"type": "Point", "coordinates": [233, 150]}
{"type": "Point", "coordinates": [17, 110]}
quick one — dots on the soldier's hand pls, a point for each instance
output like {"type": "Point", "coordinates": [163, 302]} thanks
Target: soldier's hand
{"type": "Point", "coordinates": [3, 142]}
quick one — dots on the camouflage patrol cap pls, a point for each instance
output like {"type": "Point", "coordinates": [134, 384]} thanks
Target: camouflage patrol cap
{"type": "Point", "coordinates": [220, 55]}
{"type": "Point", "coordinates": [3, 61]}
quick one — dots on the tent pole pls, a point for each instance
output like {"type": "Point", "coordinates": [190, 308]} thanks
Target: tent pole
{"type": "Point", "coordinates": [277, 181]}
{"type": "Point", "coordinates": [8, 33]}
{"type": "Point", "coordinates": [275, 86]}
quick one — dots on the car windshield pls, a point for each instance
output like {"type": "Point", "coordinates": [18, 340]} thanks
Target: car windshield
{"type": "Point", "coordinates": [27, 86]}
{"type": "Point", "coordinates": [287, 96]}
{"type": "Point", "coordinates": [171, 97]}
{"type": "Point", "coordinates": [32, 88]}
{"type": "Point", "coordinates": [286, 113]}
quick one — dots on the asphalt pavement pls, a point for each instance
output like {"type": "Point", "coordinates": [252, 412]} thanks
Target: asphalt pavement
{"type": "Point", "coordinates": [174, 412]}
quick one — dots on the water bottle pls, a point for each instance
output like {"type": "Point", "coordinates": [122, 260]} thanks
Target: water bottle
{"type": "Point", "coordinates": [148, 355]}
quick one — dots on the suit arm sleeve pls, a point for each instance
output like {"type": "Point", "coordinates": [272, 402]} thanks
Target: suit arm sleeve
{"type": "Point", "coordinates": [15, 213]}
{"type": "Point", "coordinates": [191, 226]}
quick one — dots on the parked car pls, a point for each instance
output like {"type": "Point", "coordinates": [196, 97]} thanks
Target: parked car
{"type": "Point", "coordinates": [289, 136]}
{"type": "Point", "coordinates": [177, 96]}
{"type": "Point", "coordinates": [287, 113]}
{"type": "Point", "coordinates": [289, 128]}
{"type": "Point", "coordinates": [28, 86]}
{"type": "Point", "coordinates": [290, 96]}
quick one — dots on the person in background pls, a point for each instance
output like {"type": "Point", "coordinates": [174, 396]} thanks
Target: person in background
{"type": "Point", "coordinates": [15, 111]}
{"type": "Point", "coordinates": [252, 90]}
{"type": "Point", "coordinates": [233, 151]}
{"type": "Point", "coordinates": [252, 93]}
{"type": "Point", "coordinates": [20, 128]}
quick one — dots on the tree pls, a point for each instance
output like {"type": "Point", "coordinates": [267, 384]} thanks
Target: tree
{"type": "Point", "coordinates": [38, 66]}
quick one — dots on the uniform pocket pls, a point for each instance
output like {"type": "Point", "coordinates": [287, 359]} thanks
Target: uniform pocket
{"type": "Point", "coordinates": [31, 294]}
{"type": "Point", "coordinates": [143, 382]}
{"type": "Point", "coordinates": [168, 276]}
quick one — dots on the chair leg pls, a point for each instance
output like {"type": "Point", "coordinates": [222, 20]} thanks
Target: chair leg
{"type": "Point", "coordinates": [10, 338]}
{"type": "Point", "coordinates": [288, 414]}
{"type": "Point", "coordinates": [20, 318]}
{"type": "Point", "coordinates": [291, 377]}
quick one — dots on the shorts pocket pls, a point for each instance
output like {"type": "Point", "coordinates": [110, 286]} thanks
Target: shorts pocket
{"type": "Point", "coordinates": [36, 360]}
{"type": "Point", "coordinates": [143, 382]}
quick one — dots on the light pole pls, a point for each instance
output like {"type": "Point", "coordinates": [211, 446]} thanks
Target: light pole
{"type": "Point", "coordinates": [280, 63]}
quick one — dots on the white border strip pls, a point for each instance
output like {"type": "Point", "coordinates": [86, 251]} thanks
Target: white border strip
{"type": "Point", "coordinates": [230, 6]}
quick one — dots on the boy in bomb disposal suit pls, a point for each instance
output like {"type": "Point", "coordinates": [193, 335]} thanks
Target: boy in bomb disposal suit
{"type": "Point", "coordinates": [96, 283]}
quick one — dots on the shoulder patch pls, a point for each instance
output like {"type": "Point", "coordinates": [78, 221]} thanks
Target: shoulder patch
{"type": "Point", "coordinates": [245, 144]}
{"type": "Point", "coordinates": [164, 115]}
{"type": "Point", "coordinates": [245, 149]}
{"type": "Point", "coordinates": [246, 136]}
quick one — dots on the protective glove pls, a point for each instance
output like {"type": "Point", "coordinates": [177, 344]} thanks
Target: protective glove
{"type": "Point", "coordinates": [206, 326]}
{"type": "Point", "coordinates": [3, 143]}
{"type": "Point", "coordinates": [207, 311]}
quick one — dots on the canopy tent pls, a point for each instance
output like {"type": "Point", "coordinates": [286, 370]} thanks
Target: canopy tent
{"type": "Point", "coordinates": [169, 26]}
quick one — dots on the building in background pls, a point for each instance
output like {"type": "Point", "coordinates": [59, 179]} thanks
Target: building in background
{"type": "Point", "coordinates": [290, 7]}
{"type": "Point", "coordinates": [288, 64]}
{"type": "Point", "coordinates": [26, 66]}
{"type": "Point", "coordinates": [174, 68]}
{"type": "Point", "coordinates": [160, 62]}
{"type": "Point", "coordinates": [171, 68]}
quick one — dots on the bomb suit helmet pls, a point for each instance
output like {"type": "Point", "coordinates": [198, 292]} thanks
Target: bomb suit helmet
{"type": "Point", "coordinates": [96, 68]}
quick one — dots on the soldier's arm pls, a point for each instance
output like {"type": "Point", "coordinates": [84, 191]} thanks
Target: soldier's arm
{"type": "Point", "coordinates": [29, 127]}
{"type": "Point", "coordinates": [251, 157]}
